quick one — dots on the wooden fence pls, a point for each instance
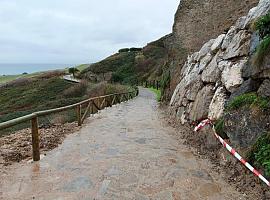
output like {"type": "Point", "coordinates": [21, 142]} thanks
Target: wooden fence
{"type": "Point", "coordinates": [153, 83]}
{"type": "Point", "coordinates": [97, 103]}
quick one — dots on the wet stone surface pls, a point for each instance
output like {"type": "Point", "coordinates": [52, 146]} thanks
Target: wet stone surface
{"type": "Point", "coordinates": [124, 152]}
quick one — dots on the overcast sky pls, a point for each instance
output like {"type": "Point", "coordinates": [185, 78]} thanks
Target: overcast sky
{"type": "Point", "coordinates": [79, 31]}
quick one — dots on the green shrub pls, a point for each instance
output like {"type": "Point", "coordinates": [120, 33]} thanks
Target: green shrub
{"type": "Point", "coordinates": [135, 49]}
{"type": "Point", "coordinates": [249, 99]}
{"type": "Point", "coordinates": [123, 50]}
{"type": "Point", "coordinates": [263, 25]}
{"type": "Point", "coordinates": [259, 154]}
{"type": "Point", "coordinates": [165, 81]}
{"type": "Point", "coordinates": [262, 51]}
{"type": "Point", "coordinates": [157, 92]}
{"type": "Point", "coordinates": [125, 74]}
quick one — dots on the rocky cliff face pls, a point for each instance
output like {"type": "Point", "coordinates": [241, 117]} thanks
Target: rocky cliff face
{"type": "Point", "coordinates": [196, 22]}
{"type": "Point", "coordinates": [221, 70]}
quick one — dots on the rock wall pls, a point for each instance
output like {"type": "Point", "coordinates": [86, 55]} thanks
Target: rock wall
{"type": "Point", "coordinates": [219, 70]}
{"type": "Point", "coordinates": [197, 21]}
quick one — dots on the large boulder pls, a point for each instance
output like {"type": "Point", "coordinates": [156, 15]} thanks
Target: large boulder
{"type": "Point", "coordinates": [205, 61]}
{"type": "Point", "coordinates": [239, 46]}
{"type": "Point", "coordinates": [228, 38]}
{"type": "Point", "coordinates": [202, 102]}
{"type": "Point", "coordinates": [264, 89]}
{"type": "Point", "coordinates": [217, 106]}
{"type": "Point", "coordinates": [265, 67]}
{"type": "Point", "coordinates": [194, 89]}
{"type": "Point", "coordinates": [232, 76]}
{"type": "Point", "coordinates": [257, 71]}
{"type": "Point", "coordinates": [211, 73]}
{"type": "Point", "coordinates": [245, 125]}
{"type": "Point", "coordinates": [204, 50]}
{"type": "Point", "coordinates": [217, 43]}
{"type": "Point", "coordinates": [179, 94]}
{"type": "Point", "coordinates": [249, 85]}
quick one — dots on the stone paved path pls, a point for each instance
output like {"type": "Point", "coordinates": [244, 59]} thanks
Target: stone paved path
{"type": "Point", "coordinates": [124, 152]}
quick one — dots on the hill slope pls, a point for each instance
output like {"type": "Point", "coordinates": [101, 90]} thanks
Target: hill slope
{"type": "Point", "coordinates": [132, 66]}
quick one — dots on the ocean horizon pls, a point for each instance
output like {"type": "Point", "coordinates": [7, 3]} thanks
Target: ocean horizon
{"type": "Point", "coordinates": [19, 68]}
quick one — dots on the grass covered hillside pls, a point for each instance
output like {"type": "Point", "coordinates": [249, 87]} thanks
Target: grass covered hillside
{"type": "Point", "coordinates": [130, 65]}
{"type": "Point", "coordinates": [46, 91]}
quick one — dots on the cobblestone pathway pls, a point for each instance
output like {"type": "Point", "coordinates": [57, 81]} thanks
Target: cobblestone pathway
{"type": "Point", "coordinates": [124, 152]}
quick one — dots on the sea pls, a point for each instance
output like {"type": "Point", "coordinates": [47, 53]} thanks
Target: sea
{"type": "Point", "coordinates": [19, 68]}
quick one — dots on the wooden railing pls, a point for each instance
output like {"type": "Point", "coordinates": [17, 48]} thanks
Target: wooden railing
{"type": "Point", "coordinates": [96, 103]}
{"type": "Point", "coordinates": [154, 84]}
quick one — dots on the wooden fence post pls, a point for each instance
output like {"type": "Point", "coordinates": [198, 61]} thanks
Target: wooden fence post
{"type": "Point", "coordinates": [35, 139]}
{"type": "Point", "coordinates": [79, 115]}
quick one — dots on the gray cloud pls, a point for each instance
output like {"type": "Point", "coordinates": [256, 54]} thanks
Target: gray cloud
{"type": "Point", "coordinates": [77, 31]}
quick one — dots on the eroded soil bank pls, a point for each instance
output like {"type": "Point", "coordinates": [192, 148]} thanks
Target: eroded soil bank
{"type": "Point", "coordinates": [124, 152]}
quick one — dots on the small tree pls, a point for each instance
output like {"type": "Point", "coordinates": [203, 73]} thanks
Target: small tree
{"type": "Point", "coordinates": [73, 71]}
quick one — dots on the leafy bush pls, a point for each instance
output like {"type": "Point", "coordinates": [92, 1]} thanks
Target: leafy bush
{"type": "Point", "coordinates": [249, 99]}
{"type": "Point", "coordinates": [113, 63]}
{"type": "Point", "coordinates": [259, 154]}
{"type": "Point", "coordinates": [165, 81]}
{"type": "Point", "coordinates": [73, 71]}
{"type": "Point", "coordinates": [123, 50]}
{"type": "Point", "coordinates": [262, 51]}
{"type": "Point", "coordinates": [135, 49]}
{"type": "Point", "coordinates": [263, 25]}
{"type": "Point", "coordinates": [125, 74]}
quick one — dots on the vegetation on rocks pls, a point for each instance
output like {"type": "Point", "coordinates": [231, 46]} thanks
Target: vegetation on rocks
{"type": "Point", "coordinates": [249, 99]}
{"type": "Point", "coordinates": [262, 25]}
{"type": "Point", "coordinates": [262, 50]}
{"type": "Point", "coordinates": [259, 154]}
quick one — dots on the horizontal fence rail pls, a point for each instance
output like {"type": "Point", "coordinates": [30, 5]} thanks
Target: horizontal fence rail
{"type": "Point", "coordinates": [153, 83]}
{"type": "Point", "coordinates": [93, 106]}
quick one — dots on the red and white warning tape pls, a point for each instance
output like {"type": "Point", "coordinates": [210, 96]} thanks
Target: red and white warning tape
{"type": "Point", "coordinates": [231, 150]}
